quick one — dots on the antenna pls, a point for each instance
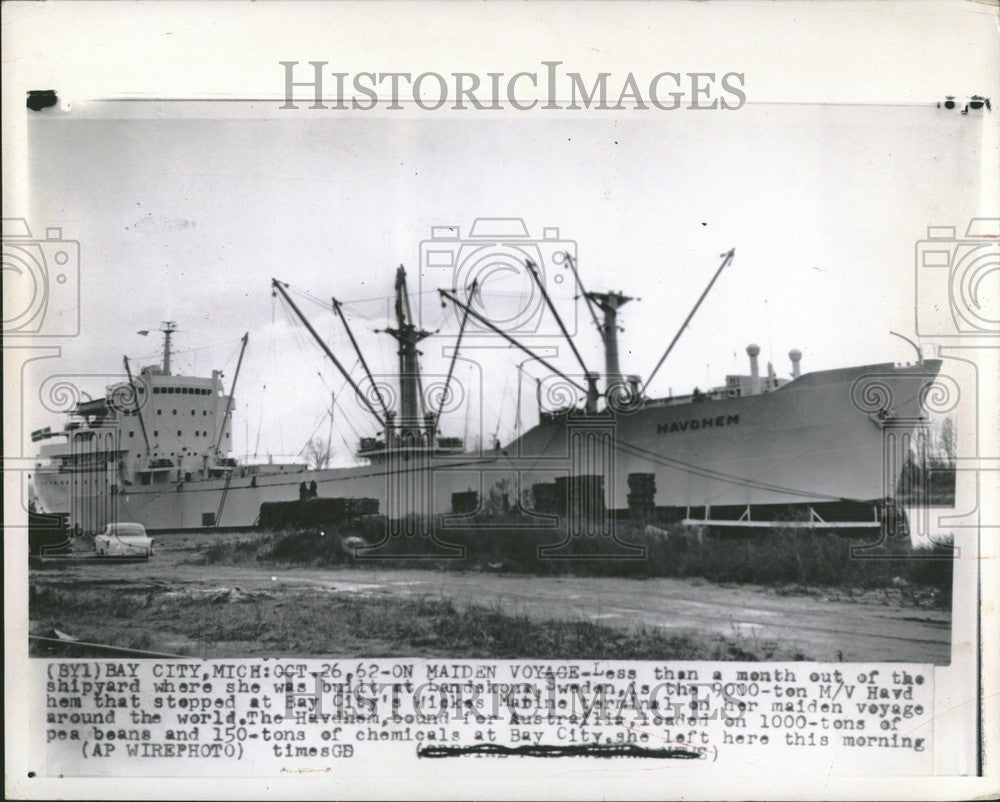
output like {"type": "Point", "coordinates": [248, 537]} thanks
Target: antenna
{"type": "Point", "coordinates": [329, 431]}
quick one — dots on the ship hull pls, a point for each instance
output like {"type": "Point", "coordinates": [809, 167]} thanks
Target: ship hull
{"type": "Point", "coordinates": [828, 436]}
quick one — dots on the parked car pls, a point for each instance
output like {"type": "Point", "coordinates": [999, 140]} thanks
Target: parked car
{"type": "Point", "coordinates": [124, 540]}
{"type": "Point", "coordinates": [350, 545]}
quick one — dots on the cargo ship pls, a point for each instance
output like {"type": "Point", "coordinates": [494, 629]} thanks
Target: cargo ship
{"type": "Point", "coordinates": [824, 448]}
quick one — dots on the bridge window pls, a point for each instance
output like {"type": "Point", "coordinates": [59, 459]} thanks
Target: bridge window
{"type": "Point", "coordinates": [178, 432]}
{"type": "Point", "coordinates": [156, 434]}
{"type": "Point", "coordinates": [131, 434]}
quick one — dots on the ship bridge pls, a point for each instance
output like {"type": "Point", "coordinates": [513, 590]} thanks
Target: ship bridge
{"type": "Point", "coordinates": [166, 427]}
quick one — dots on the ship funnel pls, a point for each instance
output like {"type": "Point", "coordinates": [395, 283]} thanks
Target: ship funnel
{"type": "Point", "coordinates": [753, 351]}
{"type": "Point", "coordinates": [796, 356]}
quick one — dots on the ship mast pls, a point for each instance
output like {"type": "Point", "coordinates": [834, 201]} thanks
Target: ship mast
{"type": "Point", "coordinates": [168, 330]}
{"type": "Point", "coordinates": [609, 303]}
{"type": "Point", "coordinates": [411, 401]}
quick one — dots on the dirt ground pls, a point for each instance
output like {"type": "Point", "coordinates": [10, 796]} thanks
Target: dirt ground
{"type": "Point", "coordinates": [735, 622]}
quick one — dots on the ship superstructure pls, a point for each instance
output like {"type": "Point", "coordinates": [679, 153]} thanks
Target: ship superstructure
{"type": "Point", "coordinates": [758, 441]}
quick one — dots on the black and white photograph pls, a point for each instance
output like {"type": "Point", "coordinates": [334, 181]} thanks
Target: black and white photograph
{"type": "Point", "coordinates": [473, 435]}
{"type": "Point", "coordinates": [499, 406]}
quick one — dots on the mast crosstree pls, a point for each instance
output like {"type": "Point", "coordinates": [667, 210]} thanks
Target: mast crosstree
{"type": "Point", "coordinates": [412, 410]}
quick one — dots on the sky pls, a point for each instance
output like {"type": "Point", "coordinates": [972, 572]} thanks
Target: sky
{"type": "Point", "coordinates": [186, 213]}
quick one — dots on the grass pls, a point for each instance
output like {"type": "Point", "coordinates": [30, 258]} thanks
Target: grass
{"type": "Point", "coordinates": [316, 624]}
{"type": "Point", "coordinates": [774, 557]}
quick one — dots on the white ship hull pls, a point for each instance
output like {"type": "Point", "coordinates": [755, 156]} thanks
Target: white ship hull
{"type": "Point", "coordinates": [826, 436]}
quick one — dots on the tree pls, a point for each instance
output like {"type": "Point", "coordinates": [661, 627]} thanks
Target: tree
{"type": "Point", "coordinates": [946, 442]}
{"type": "Point", "coordinates": [317, 453]}
{"type": "Point", "coordinates": [498, 498]}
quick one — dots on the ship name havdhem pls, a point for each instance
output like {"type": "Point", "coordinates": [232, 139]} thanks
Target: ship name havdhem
{"type": "Point", "coordinates": [694, 424]}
